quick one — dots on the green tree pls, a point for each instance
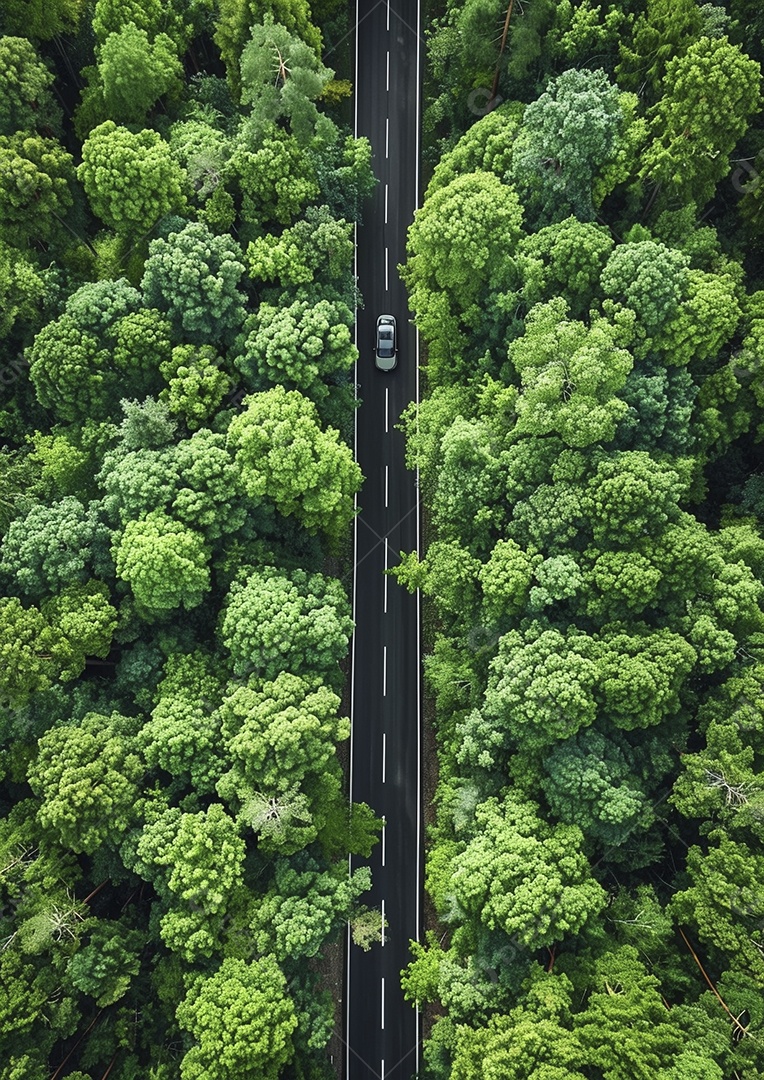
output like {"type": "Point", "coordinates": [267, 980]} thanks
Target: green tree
{"type": "Point", "coordinates": [53, 546]}
{"type": "Point", "coordinates": [135, 72]}
{"type": "Point", "coordinates": [542, 685]}
{"type": "Point", "coordinates": [565, 260]}
{"type": "Point", "coordinates": [242, 1022]}
{"type": "Point", "coordinates": [318, 248]}
{"type": "Point", "coordinates": [567, 138]}
{"type": "Point", "coordinates": [299, 347]}
{"type": "Point", "coordinates": [521, 876]}
{"type": "Point", "coordinates": [41, 19]}
{"type": "Point", "coordinates": [282, 733]}
{"type": "Point", "coordinates": [305, 909]}
{"type": "Point", "coordinates": [237, 17]}
{"type": "Point", "coordinates": [105, 967]}
{"type": "Point", "coordinates": [709, 95]}
{"type": "Point", "coordinates": [195, 862]}
{"type": "Point", "coordinates": [276, 621]}
{"type": "Point", "coordinates": [570, 376]}
{"type": "Point", "coordinates": [164, 562]}
{"type": "Point", "coordinates": [273, 177]}
{"type": "Point", "coordinates": [283, 454]}
{"type": "Point", "coordinates": [282, 76]}
{"type": "Point", "coordinates": [131, 180]}
{"type": "Point", "coordinates": [26, 103]}
{"type": "Point", "coordinates": [460, 251]}
{"type": "Point", "coordinates": [485, 147]}
{"type": "Point", "coordinates": [37, 179]}
{"type": "Point", "coordinates": [194, 277]}
{"type": "Point", "coordinates": [87, 777]}
{"type": "Point", "coordinates": [197, 382]}
{"type": "Point", "coordinates": [152, 16]}
{"type": "Point", "coordinates": [665, 29]}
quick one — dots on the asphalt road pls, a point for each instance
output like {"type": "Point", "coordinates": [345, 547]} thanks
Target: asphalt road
{"type": "Point", "coordinates": [382, 1031]}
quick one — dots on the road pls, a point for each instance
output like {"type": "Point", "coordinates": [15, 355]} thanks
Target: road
{"type": "Point", "coordinates": [382, 1031]}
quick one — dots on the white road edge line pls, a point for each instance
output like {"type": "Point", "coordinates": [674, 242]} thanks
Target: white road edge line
{"type": "Point", "coordinates": [383, 924]}
{"type": "Point", "coordinates": [384, 671]}
{"type": "Point", "coordinates": [384, 756]}
{"type": "Point", "coordinates": [383, 1003]}
{"type": "Point", "coordinates": [386, 187]}
{"type": "Point", "coordinates": [388, 69]}
{"type": "Point", "coordinates": [387, 478]}
{"type": "Point", "coordinates": [386, 565]}
{"type": "Point", "coordinates": [387, 276]}
{"type": "Point", "coordinates": [384, 841]}
{"type": "Point", "coordinates": [388, 14]}
{"type": "Point", "coordinates": [387, 126]}
{"type": "Point", "coordinates": [387, 406]}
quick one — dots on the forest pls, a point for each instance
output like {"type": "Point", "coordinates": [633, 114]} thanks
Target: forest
{"type": "Point", "coordinates": [177, 483]}
{"type": "Point", "coordinates": [586, 271]}
{"type": "Point", "coordinates": [179, 186]}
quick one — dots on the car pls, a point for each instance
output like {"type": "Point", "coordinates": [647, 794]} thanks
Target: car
{"type": "Point", "coordinates": [386, 343]}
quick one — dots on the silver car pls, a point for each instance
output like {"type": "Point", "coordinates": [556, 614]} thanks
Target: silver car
{"type": "Point", "coordinates": [386, 343]}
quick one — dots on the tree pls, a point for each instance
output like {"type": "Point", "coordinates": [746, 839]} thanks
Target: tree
{"type": "Point", "coordinates": [26, 643]}
{"type": "Point", "coordinates": [282, 733]}
{"type": "Point", "coordinates": [570, 377]}
{"type": "Point", "coordinates": [197, 382]}
{"type": "Point", "coordinates": [485, 147]}
{"type": "Point", "coordinates": [460, 250]}
{"type": "Point", "coordinates": [87, 776]}
{"type": "Point", "coordinates": [658, 34]}
{"type": "Point", "coordinates": [152, 16]}
{"type": "Point", "coordinates": [303, 910]}
{"type": "Point", "coordinates": [273, 175]}
{"type": "Point", "coordinates": [282, 76]}
{"type": "Point", "coordinates": [565, 260]}
{"type": "Point", "coordinates": [53, 546]}
{"type": "Point", "coordinates": [135, 72]}
{"type": "Point", "coordinates": [105, 967]}
{"type": "Point", "coordinates": [282, 453]}
{"type": "Point", "coordinates": [521, 876]}
{"type": "Point", "coordinates": [275, 621]}
{"type": "Point", "coordinates": [567, 138]}
{"type": "Point", "coordinates": [299, 346]}
{"type": "Point", "coordinates": [131, 180]}
{"type": "Point", "coordinates": [592, 782]}
{"type": "Point", "coordinates": [466, 501]}
{"type": "Point", "coordinates": [195, 862]}
{"type": "Point", "coordinates": [242, 1021]}
{"type": "Point", "coordinates": [37, 178]}
{"type": "Point", "coordinates": [194, 276]}
{"type": "Point", "coordinates": [26, 103]}
{"type": "Point", "coordinates": [541, 687]}
{"type": "Point", "coordinates": [651, 280]}
{"type": "Point", "coordinates": [318, 248]}
{"type": "Point", "coordinates": [709, 95]}
{"type": "Point", "coordinates": [235, 22]}
{"type": "Point", "coordinates": [164, 562]}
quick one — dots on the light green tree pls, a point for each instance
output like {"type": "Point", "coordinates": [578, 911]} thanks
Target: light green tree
{"type": "Point", "coordinates": [131, 180]}
{"type": "Point", "coordinates": [242, 1021]}
{"type": "Point", "coordinates": [299, 346]}
{"type": "Point", "coordinates": [164, 562]}
{"type": "Point", "coordinates": [26, 102]}
{"type": "Point", "coordinates": [709, 96]}
{"type": "Point", "coordinates": [87, 777]}
{"type": "Point", "coordinates": [282, 453]}
{"type": "Point", "coordinates": [275, 621]}
{"type": "Point", "coordinates": [135, 72]}
{"type": "Point", "coordinates": [524, 877]}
